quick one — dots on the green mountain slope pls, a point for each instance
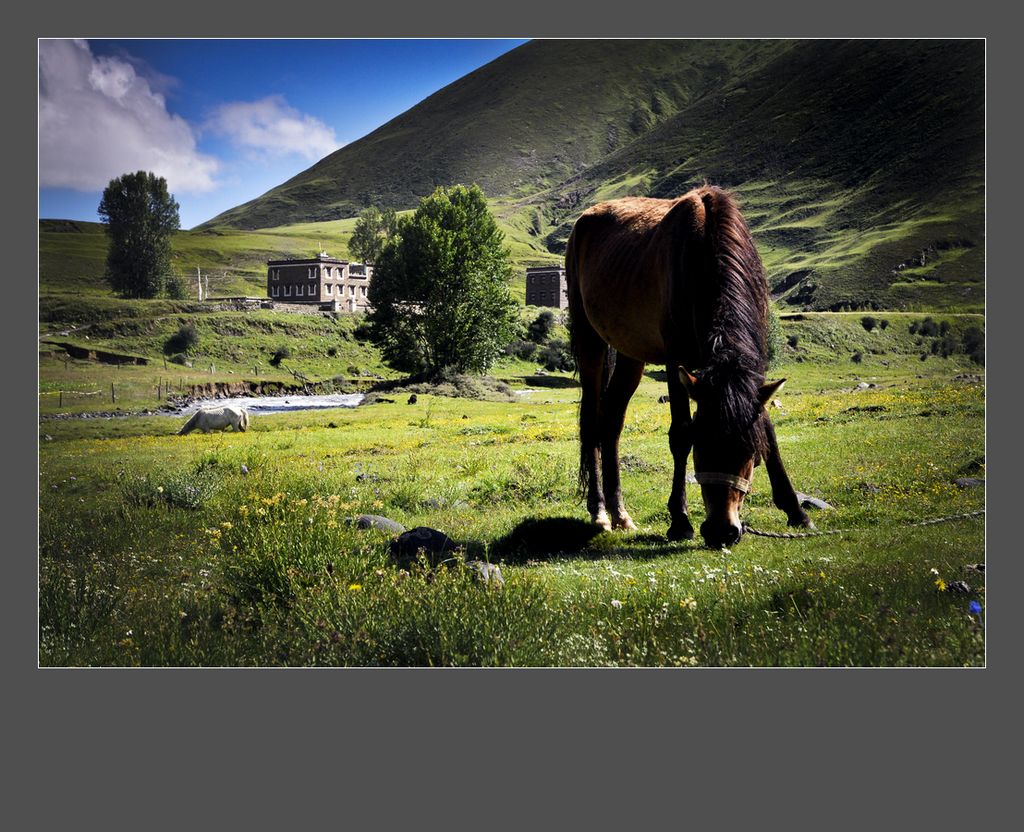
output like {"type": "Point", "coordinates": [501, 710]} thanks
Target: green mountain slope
{"type": "Point", "coordinates": [523, 123]}
{"type": "Point", "coordinates": [860, 164]}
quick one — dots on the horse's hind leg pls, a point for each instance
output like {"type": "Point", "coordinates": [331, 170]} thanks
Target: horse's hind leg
{"type": "Point", "coordinates": [783, 493]}
{"type": "Point", "coordinates": [680, 441]}
{"type": "Point", "coordinates": [590, 362]}
{"type": "Point", "coordinates": [623, 383]}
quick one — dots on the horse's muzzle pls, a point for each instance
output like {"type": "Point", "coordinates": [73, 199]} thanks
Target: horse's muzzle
{"type": "Point", "coordinates": [720, 536]}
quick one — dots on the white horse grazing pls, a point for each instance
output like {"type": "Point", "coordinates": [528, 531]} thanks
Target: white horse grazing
{"type": "Point", "coordinates": [217, 418]}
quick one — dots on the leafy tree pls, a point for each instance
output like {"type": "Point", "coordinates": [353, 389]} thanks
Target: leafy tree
{"type": "Point", "coordinates": [140, 215]}
{"type": "Point", "coordinates": [373, 230]}
{"type": "Point", "coordinates": [440, 292]}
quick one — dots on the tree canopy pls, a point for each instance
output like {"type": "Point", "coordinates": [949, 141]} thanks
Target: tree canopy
{"type": "Point", "coordinates": [440, 296]}
{"type": "Point", "coordinates": [373, 230]}
{"type": "Point", "coordinates": [140, 215]}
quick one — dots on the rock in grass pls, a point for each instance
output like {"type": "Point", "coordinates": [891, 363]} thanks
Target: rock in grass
{"type": "Point", "coordinates": [969, 482]}
{"type": "Point", "coordinates": [375, 521]}
{"type": "Point", "coordinates": [437, 546]}
{"type": "Point", "coordinates": [486, 573]}
{"type": "Point", "coordinates": [807, 501]}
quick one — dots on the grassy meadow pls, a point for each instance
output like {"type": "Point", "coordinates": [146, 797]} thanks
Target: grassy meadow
{"type": "Point", "coordinates": [232, 549]}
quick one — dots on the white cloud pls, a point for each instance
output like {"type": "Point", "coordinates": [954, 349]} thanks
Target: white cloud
{"type": "Point", "coordinates": [273, 127]}
{"type": "Point", "coordinates": [98, 119]}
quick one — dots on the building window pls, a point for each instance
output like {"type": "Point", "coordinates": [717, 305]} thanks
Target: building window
{"type": "Point", "coordinates": [363, 290]}
{"type": "Point", "coordinates": [328, 288]}
{"type": "Point", "coordinates": [287, 291]}
{"type": "Point", "coordinates": [275, 274]}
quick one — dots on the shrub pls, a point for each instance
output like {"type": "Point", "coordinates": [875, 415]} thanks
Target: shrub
{"type": "Point", "coordinates": [175, 288]}
{"type": "Point", "coordinates": [857, 357]}
{"type": "Point", "coordinates": [930, 327]}
{"type": "Point", "coordinates": [556, 356]}
{"type": "Point", "coordinates": [183, 341]}
{"type": "Point", "coordinates": [540, 329]}
{"type": "Point", "coordinates": [884, 324]}
{"type": "Point", "coordinates": [868, 322]}
{"type": "Point", "coordinates": [914, 327]}
{"type": "Point", "coordinates": [332, 351]}
{"type": "Point", "coordinates": [526, 350]}
{"type": "Point", "coordinates": [363, 331]}
{"type": "Point", "coordinates": [180, 358]}
{"type": "Point", "coordinates": [793, 340]}
{"type": "Point", "coordinates": [279, 355]}
{"type": "Point", "coordinates": [974, 344]}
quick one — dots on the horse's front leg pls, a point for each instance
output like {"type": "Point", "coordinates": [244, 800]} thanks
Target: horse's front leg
{"type": "Point", "coordinates": [783, 493]}
{"type": "Point", "coordinates": [623, 383]}
{"type": "Point", "coordinates": [680, 441]}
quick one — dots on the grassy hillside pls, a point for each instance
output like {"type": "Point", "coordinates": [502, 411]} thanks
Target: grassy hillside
{"type": "Point", "coordinates": [519, 125]}
{"type": "Point", "coordinates": [860, 163]}
{"type": "Point", "coordinates": [72, 254]}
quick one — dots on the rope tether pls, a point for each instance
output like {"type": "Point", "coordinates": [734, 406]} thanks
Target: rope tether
{"type": "Point", "coordinates": [795, 535]}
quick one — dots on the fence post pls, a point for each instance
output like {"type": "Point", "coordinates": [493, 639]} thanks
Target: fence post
{"type": "Point", "coordinates": [113, 398]}
{"type": "Point", "coordinates": [61, 404]}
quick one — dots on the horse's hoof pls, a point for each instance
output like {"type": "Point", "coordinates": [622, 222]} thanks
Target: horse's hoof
{"type": "Point", "coordinates": [624, 521]}
{"type": "Point", "coordinates": [680, 531]}
{"type": "Point", "coordinates": [803, 522]}
{"type": "Point", "coordinates": [601, 519]}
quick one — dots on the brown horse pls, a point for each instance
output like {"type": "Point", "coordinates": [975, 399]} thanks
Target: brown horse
{"type": "Point", "coordinates": [675, 282]}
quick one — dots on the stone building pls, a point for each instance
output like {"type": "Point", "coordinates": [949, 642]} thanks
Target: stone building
{"type": "Point", "coordinates": [546, 286]}
{"type": "Point", "coordinates": [323, 280]}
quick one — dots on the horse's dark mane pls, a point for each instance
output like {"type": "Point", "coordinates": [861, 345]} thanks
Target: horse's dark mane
{"type": "Point", "coordinates": [734, 345]}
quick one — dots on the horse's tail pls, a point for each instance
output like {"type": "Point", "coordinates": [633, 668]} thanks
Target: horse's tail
{"type": "Point", "coordinates": [190, 425]}
{"type": "Point", "coordinates": [243, 420]}
{"type": "Point", "coordinates": [585, 345]}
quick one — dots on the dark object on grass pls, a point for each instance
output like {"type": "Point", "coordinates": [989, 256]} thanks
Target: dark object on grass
{"type": "Point", "coordinates": [412, 399]}
{"type": "Point", "coordinates": [959, 587]}
{"type": "Point", "coordinates": [546, 536]}
{"type": "Point", "coordinates": [664, 399]}
{"type": "Point", "coordinates": [969, 482]}
{"type": "Point", "coordinates": [375, 521]}
{"type": "Point", "coordinates": [437, 546]}
{"type": "Point", "coordinates": [976, 567]}
{"type": "Point", "coordinates": [807, 501]}
{"type": "Point", "coordinates": [868, 488]}
{"type": "Point", "coordinates": [279, 355]}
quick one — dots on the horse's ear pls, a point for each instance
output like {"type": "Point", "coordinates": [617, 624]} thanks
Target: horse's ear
{"type": "Point", "coordinates": [769, 389]}
{"type": "Point", "coordinates": [688, 381]}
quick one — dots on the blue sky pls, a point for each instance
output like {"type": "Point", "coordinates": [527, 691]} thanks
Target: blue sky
{"type": "Point", "coordinates": [223, 120]}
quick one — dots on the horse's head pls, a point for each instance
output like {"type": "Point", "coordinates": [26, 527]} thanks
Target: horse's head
{"type": "Point", "coordinates": [725, 452]}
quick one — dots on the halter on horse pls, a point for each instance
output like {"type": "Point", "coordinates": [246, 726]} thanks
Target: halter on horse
{"type": "Point", "coordinates": [676, 282]}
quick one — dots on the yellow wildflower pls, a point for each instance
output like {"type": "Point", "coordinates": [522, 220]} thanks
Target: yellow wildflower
{"type": "Point", "coordinates": [354, 587]}
{"type": "Point", "coordinates": [941, 584]}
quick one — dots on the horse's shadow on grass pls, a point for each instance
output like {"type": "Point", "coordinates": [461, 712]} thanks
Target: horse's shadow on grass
{"type": "Point", "coordinates": [550, 381]}
{"type": "Point", "coordinates": [552, 538]}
